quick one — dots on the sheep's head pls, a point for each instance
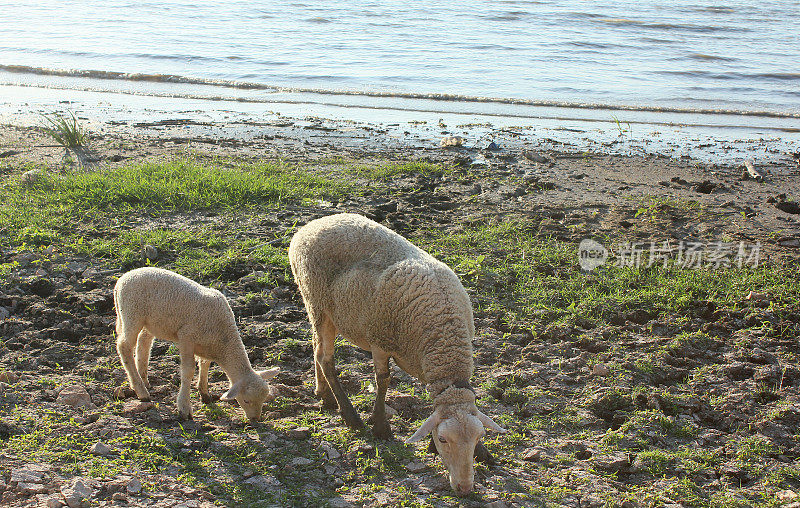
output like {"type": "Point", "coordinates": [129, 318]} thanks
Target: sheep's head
{"type": "Point", "coordinates": [251, 392]}
{"type": "Point", "coordinates": [456, 430]}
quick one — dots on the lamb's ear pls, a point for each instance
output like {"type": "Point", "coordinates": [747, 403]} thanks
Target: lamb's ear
{"type": "Point", "coordinates": [490, 424]}
{"type": "Point", "coordinates": [232, 392]}
{"type": "Point", "coordinates": [268, 374]}
{"type": "Point", "coordinates": [425, 429]}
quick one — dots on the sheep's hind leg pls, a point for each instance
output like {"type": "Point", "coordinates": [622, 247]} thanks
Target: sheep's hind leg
{"type": "Point", "coordinates": [323, 355]}
{"type": "Point", "coordinates": [126, 343]}
{"type": "Point", "coordinates": [380, 426]}
{"type": "Point", "coordinates": [144, 345]}
{"type": "Point", "coordinates": [322, 390]}
{"type": "Point", "coordinates": [202, 380]}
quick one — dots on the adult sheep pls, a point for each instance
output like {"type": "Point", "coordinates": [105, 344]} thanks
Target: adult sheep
{"type": "Point", "coordinates": [382, 293]}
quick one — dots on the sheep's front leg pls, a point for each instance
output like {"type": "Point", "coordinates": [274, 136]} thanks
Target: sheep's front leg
{"type": "Point", "coordinates": [187, 373]}
{"type": "Point", "coordinates": [126, 342]}
{"type": "Point", "coordinates": [144, 345]}
{"type": "Point", "coordinates": [202, 380]}
{"type": "Point", "coordinates": [323, 355]}
{"type": "Point", "coordinates": [380, 426]}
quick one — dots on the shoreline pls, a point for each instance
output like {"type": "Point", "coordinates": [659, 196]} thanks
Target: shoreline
{"type": "Point", "coordinates": [718, 139]}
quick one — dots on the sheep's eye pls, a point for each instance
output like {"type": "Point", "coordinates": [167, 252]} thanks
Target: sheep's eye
{"type": "Point", "coordinates": [442, 440]}
{"type": "Point", "coordinates": [246, 401]}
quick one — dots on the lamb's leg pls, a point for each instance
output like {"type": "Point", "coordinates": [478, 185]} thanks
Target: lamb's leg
{"type": "Point", "coordinates": [202, 380]}
{"type": "Point", "coordinates": [323, 355]}
{"type": "Point", "coordinates": [380, 427]}
{"type": "Point", "coordinates": [144, 344]}
{"type": "Point", "coordinates": [186, 349]}
{"type": "Point", "coordinates": [322, 390]}
{"type": "Point", "coordinates": [126, 342]}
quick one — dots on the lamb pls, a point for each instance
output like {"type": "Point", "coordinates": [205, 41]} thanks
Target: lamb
{"type": "Point", "coordinates": [153, 302]}
{"type": "Point", "coordinates": [382, 293]}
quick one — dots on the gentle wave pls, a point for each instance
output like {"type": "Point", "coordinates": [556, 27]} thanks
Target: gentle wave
{"type": "Point", "coordinates": [175, 79]}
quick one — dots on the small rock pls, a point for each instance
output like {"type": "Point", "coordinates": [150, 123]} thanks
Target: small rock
{"type": "Point", "coordinates": [4, 313]}
{"type": "Point", "coordinates": [786, 496]}
{"type": "Point", "coordinates": [299, 432]}
{"type": "Point", "coordinates": [705, 187]}
{"type": "Point", "coordinates": [31, 488]}
{"type": "Point", "coordinates": [600, 369]}
{"type": "Point", "coordinates": [119, 496]}
{"type": "Point", "coordinates": [150, 252]}
{"type": "Point", "coordinates": [492, 147]}
{"type": "Point", "coordinates": [32, 176]}
{"type": "Point", "coordinates": [263, 482]}
{"type": "Point", "coordinates": [54, 502]}
{"type": "Point", "coordinates": [75, 396]}
{"type": "Point", "coordinates": [535, 157]}
{"type": "Point", "coordinates": [302, 461]}
{"type": "Point", "coordinates": [8, 377]}
{"type": "Point", "coordinates": [77, 493]}
{"type": "Point", "coordinates": [100, 448]}
{"type": "Point", "coordinates": [532, 455]}
{"type": "Point", "coordinates": [451, 141]}
{"type": "Point", "coordinates": [136, 406]}
{"type": "Point", "coordinates": [416, 467]}
{"type": "Point", "coordinates": [31, 473]}
{"type": "Point", "coordinates": [788, 207]}
{"type": "Point", "coordinates": [614, 462]}
{"type": "Point", "coordinates": [330, 451]}
{"type": "Point", "coordinates": [134, 486]}
{"type": "Point", "coordinates": [497, 504]}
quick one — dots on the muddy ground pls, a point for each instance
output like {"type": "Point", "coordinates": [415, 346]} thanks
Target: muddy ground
{"type": "Point", "coordinates": [639, 408]}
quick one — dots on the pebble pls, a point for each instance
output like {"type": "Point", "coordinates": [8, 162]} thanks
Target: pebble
{"type": "Point", "coordinates": [136, 406]}
{"type": "Point", "coordinates": [100, 448]}
{"type": "Point", "coordinates": [134, 486]}
{"type": "Point", "coordinates": [150, 252]}
{"type": "Point", "coordinates": [416, 467]}
{"type": "Point", "coordinates": [8, 377]}
{"type": "Point", "coordinates": [600, 369]}
{"type": "Point", "coordinates": [451, 141]}
{"type": "Point", "coordinates": [299, 432]}
{"type": "Point", "coordinates": [302, 461]}
{"type": "Point", "coordinates": [54, 502]}
{"type": "Point", "coordinates": [330, 451]}
{"type": "Point", "coordinates": [263, 482]}
{"type": "Point", "coordinates": [4, 313]}
{"type": "Point", "coordinates": [75, 396]}
{"type": "Point", "coordinates": [786, 496]}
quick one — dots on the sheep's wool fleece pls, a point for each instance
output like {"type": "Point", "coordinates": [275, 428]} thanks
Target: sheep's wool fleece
{"type": "Point", "coordinates": [380, 289]}
{"type": "Point", "coordinates": [168, 304]}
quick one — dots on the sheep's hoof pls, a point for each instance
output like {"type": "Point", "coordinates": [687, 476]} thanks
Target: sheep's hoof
{"type": "Point", "coordinates": [206, 398]}
{"type": "Point", "coordinates": [187, 417]}
{"type": "Point", "coordinates": [483, 455]}
{"type": "Point", "coordinates": [146, 398]}
{"type": "Point", "coordinates": [382, 430]}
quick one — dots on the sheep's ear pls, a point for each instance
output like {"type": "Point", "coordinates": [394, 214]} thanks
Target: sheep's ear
{"type": "Point", "coordinates": [232, 392]}
{"type": "Point", "coordinates": [268, 374]}
{"type": "Point", "coordinates": [490, 424]}
{"type": "Point", "coordinates": [425, 429]}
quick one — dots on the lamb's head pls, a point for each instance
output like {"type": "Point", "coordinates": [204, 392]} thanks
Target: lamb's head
{"type": "Point", "coordinates": [456, 429]}
{"type": "Point", "coordinates": [251, 391]}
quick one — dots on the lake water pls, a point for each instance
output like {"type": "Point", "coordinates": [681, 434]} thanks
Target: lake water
{"type": "Point", "coordinates": [736, 56]}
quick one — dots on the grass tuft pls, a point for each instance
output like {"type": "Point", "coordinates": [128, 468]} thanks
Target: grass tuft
{"type": "Point", "coordinates": [65, 131]}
